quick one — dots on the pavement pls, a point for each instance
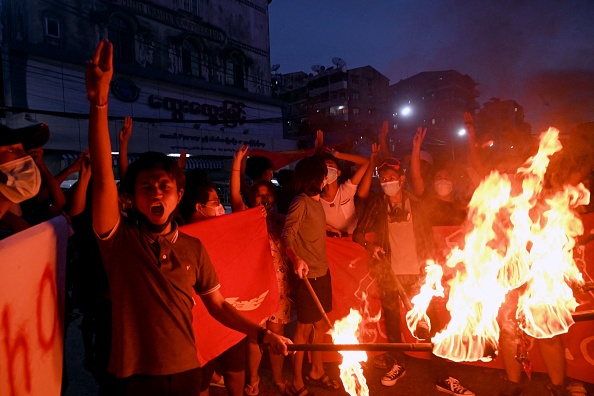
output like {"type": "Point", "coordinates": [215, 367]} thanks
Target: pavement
{"type": "Point", "coordinates": [418, 380]}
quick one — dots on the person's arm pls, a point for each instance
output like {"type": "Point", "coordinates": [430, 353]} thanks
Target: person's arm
{"type": "Point", "coordinates": [78, 198]}
{"type": "Point", "coordinates": [289, 236]}
{"type": "Point", "coordinates": [383, 141]}
{"type": "Point", "coordinates": [418, 183]}
{"type": "Point", "coordinates": [237, 204]}
{"type": "Point", "coordinates": [124, 135]}
{"type": "Point", "coordinates": [475, 158]}
{"type": "Point", "coordinates": [181, 161]}
{"type": "Point", "coordinates": [70, 169]}
{"type": "Point", "coordinates": [366, 225]}
{"type": "Point", "coordinates": [98, 73]}
{"type": "Point", "coordinates": [224, 312]}
{"type": "Point", "coordinates": [365, 185]}
{"type": "Point", "coordinates": [52, 185]}
{"type": "Point", "coordinates": [319, 142]}
{"type": "Point", "coordinates": [359, 161]}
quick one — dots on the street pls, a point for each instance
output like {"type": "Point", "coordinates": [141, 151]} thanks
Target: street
{"type": "Point", "coordinates": [418, 380]}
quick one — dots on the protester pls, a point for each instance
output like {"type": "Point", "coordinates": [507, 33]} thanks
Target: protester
{"type": "Point", "coordinates": [443, 207]}
{"type": "Point", "coordinates": [148, 262]}
{"type": "Point", "coordinates": [124, 137]}
{"type": "Point", "coordinates": [21, 177]}
{"type": "Point", "coordinates": [338, 200]}
{"type": "Point", "coordinates": [397, 234]}
{"type": "Point", "coordinates": [304, 238]}
{"type": "Point", "coordinates": [262, 194]}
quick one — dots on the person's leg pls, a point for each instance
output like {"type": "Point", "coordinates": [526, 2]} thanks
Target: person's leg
{"type": "Point", "coordinates": [206, 372]}
{"type": "Point", "coordinates": [301, 336]}
{"type": "Point", "coordinates": [147, 385]}
{"type": "Point", "coordinates": [254, 356]}
{"type": "Point", "coordinates": [232, 363]}
{"type": "Point", "coordinates": [553, 355]}
{"type": "Point", "coordinates": [187, 383]}
{"type": "Point", "coordinates": [277, 361]}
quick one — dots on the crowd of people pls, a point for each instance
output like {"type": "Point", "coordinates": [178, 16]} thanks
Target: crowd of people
{"type": "Point", "coordinates": [129, 265]}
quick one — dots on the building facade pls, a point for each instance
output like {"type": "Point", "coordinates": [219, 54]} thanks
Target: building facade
{"type": "Point", "coordinates": [193, 74]}
{"type": "Point", "coordinates": [436, 100]}
{"type": "Point", "coordinates": [345, 104]}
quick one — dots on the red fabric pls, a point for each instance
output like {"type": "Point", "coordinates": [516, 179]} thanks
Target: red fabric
{"type": "Point", "coordinates": [281, 159]}
{"type": "Point", "coordinates": [240, 252]}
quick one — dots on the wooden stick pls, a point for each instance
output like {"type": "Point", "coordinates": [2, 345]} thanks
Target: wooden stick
{"type": "Point", "coordinates": [317, 301]}
{"type": "Point", "coordinates": [420, 347]}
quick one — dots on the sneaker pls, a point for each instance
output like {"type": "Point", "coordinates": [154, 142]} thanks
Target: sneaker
{"type": "Point", "coordinates": [556, 390]}
{"type": "Point", "coordinates": [512, 389]}
{"type": "Point", "coordinates": [395, 373]}
{"type": "Point", "coordinates": [452, 386]}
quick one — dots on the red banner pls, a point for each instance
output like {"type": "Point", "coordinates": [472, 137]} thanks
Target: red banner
{"type": "Point", "coordinates": [240, 252]}
{"type": "Point", "coordinates": [32, 281]}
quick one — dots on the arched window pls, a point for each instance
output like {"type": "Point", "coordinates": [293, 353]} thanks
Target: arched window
{"type": "Point", "coordinates": [235, 70]}
{"type": "Point", "coordinates": [194, 59]}
{"type": "Point", "coordinates": [121, 35]}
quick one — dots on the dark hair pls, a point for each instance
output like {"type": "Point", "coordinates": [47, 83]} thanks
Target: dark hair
{"type": "Point", "coordinates": [329, 157]}
{"type": "Point", "coordinates": [195, 193]}
{"type": "Point", "coordinates": [255, 189]}
{"type": "Point", "coordinates": [152, 160]}
{"type": "Point", "coordinates": [284, 177]}
{"type": "Point", "coordinates": [309, 175]}
{"type": "Point", "coordinates": [256, 165]}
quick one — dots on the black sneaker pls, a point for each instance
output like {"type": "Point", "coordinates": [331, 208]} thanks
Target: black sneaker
{"type": "Point", "coordinates": [395, 373]}
{"type": "Point", "coordinates": [452, 386]}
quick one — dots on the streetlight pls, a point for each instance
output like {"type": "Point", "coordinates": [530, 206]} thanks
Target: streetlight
{"type": "Point", "coordinates": [461, 132]}
{"type": "Point", "coordinates": [405, 111]}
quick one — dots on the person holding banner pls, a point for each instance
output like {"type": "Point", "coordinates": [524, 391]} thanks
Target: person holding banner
{"type": "Point", "coordinates": [304, 238]}
{"type": "Point", "coordinates": [151, 266]}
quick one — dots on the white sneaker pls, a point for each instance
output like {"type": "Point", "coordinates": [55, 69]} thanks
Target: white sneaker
{"type": "Point", "coordinates": [395, 373]}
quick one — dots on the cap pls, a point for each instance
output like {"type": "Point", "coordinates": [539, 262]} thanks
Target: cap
{"type": "Point", "coordinates": [392, 163]}
{"type": "Point", "coordinates": [31, 137]}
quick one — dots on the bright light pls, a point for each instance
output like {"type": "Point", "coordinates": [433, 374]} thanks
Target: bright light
{"type": "Point", "coordinates": [177, 155]}
{"type": "Point", "coordinates": [115, 152]}
{"type": "Point", "coordinates": [406, 111]}
{"type": "Point", "coordinates": [340, 107]}
{"type": "Point", "coordinates": [512, 147]}
{"type": "Point", "coordinates": [491, 144]}
{"type": "Point", "coordinates": [462, 132]}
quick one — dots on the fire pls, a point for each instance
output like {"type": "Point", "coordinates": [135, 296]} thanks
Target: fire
{"type": "Point", "coordinates": [521, 238]}
{"type": "Point", "coordinates": [345, 331]}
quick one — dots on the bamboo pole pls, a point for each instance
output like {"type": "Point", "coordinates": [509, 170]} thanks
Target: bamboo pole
{"type": "Point", "coordinates": [418, 347]}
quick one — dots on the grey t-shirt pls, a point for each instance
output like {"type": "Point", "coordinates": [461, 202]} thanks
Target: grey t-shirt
{"type": "Point", "coordinates": [305, 231]}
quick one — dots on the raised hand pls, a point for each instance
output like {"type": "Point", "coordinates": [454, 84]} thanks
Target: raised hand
{"type": "Point", "coordinates": [85, 165]}
{"type": "Point", "coordinates": [419, 137]}
{"type": "Point", "coordinates": [126, 130]}
{"type": "Point", "coordinates": [181, 161]}
{"type": "Point", "coordinates": [98, 74]}
{"type": "Point", "coordinates": [241, 152]}
{"type": "Point", "coordinates": [37, 155]}
{"type": "Point", "coordinates": [383, 134]}
{"type": "Point", "coordinates": [319, 139]}
{"type": "Point", "coordinates": [375, 152]}
{"type": "Point", "coordinates": [469, 124]}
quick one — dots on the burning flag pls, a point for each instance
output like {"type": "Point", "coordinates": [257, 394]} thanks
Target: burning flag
{"type": "Point", "coordinates": [522, 239]}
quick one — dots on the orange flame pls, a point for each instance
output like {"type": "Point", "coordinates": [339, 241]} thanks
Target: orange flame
{"type": "Point", "coordinates": [345, 331]}
{"type": "Point", "coordinates": [520, 236]}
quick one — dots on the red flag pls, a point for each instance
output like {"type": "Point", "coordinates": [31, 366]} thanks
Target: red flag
{"type": "Point", "coordinates": [240, 252]}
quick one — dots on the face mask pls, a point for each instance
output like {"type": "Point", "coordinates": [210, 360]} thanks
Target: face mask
{"type": "Point", "coordinates": [332, 175]}
{"type": "Point", "coordinates": [443, 187]}
{"type": "Point", "coordinates": [219, 210]}
{"type": "Point", "coordinates": [23, 181]}
{"type": "Point", "coordinates": [391, 188]}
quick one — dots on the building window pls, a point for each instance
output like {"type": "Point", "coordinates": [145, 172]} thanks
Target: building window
{"type": "Point", "coordinates": [235, 71]}
{"type": "Point", "coordinates": [52, 28]}
{"type": "Point", "coordinates": [191, 6]}
{"type": "Point", "coordinates": [121, 35]}
{"type": "Point", "coordinates": [356, 96]}
{"type": "Point", "coordinates": [194, 60]}
{"type": "Point", "coordinates": [355, 79]}
{"type": "Point", "coordinates": [433, 121]}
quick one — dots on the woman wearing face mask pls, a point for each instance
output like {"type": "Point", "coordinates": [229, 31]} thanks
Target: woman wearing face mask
{"type": "Point", "coordinates": [443, 209]}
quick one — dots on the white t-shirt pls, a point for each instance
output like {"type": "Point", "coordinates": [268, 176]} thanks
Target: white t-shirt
{"type": "Point", "coordinates": [403, 247]}
{"type": "Point", "coordinates": [340, 213]}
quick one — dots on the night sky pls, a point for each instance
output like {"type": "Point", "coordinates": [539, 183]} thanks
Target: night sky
{"type": "Point", "coordinates": [539, 53]}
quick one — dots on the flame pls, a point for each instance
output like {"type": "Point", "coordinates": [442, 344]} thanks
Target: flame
{"type": "Point", "coordinates": [521, 238]}
{"type": "Point", "coordinates": [345, 331]}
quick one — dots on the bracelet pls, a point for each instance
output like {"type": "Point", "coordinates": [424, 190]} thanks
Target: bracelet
{"type": "Point", "coordinates": [236, 170]}
{"type": "Point", "coordinates": [104, 105]}
{"type": "Point", "coordinates": [261, 334]}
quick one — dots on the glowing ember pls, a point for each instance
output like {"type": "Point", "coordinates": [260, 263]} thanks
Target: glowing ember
{"type": "Point", "coordinates": [346, 331]}
{"type": "Point", "coordinates": [521, 237]}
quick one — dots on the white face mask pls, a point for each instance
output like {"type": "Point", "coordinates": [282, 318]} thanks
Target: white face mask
{"type": "Point", "coordinates": [332, 175]}
{"type": "Point", "coordinates": [391, 188]}
{"type": "Point", "coordinates": [219, 210]}
{"type": "Point", "coordinates": [443, 188]}
{"type": "Point", "coordinates": [24, 179]}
